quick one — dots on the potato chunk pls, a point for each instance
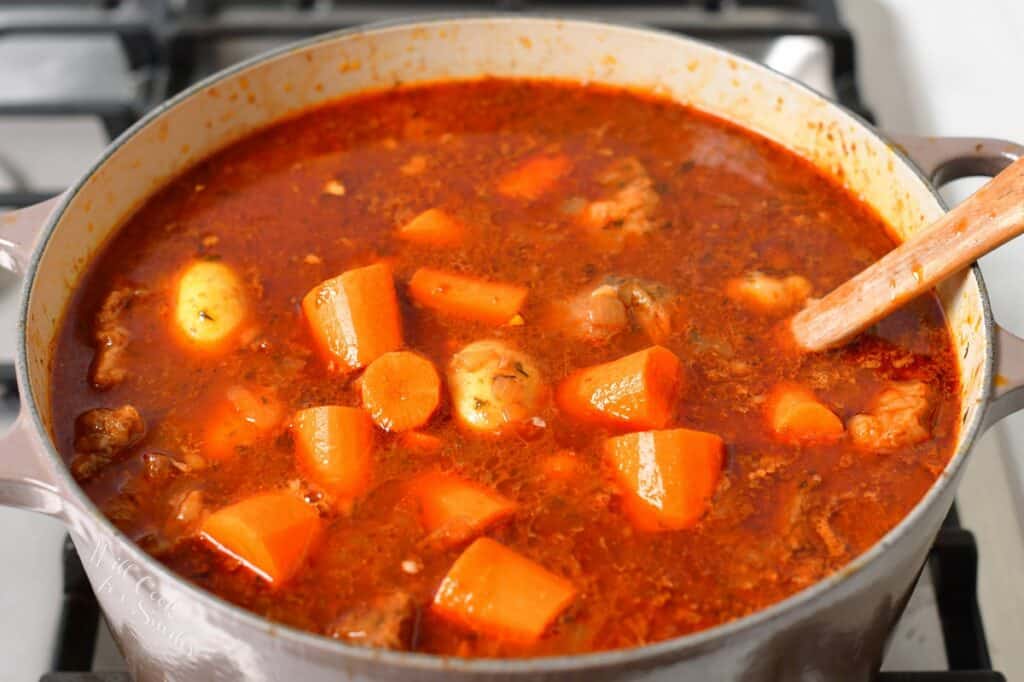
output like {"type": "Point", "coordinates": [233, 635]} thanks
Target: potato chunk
{"type": "Point", "coordinates": [769, 295]}
{"type": "Point", "coordinates": [210, 305]}
{"type": "Point", "coordinates": [895, 419]}
{"type": "Point", "coordinates": [494, 387]}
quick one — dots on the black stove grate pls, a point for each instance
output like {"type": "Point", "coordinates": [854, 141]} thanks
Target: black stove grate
{"type": "Point", "coordinates": [170, 44]}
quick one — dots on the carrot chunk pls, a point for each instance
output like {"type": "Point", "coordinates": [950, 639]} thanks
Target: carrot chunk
{"type": "Point", "coordinates": [534, 177]}
{"type": "Point", "coordinates": [466, 297]}
{"type": "Point", "coordinates": [334, 445]}
{"type": "Point", "coordinates": [270, 533]}
{"type": "Point", "coordinates": [420, 442]}
{"type": "Point", "coordinates": [796, 415]}
{"type": "Point", "coordinates": [637, 391]}
{"type": "Point", "coordinates": [433, 227]}
{"type": "Point", "coordinates": [401, 390]}
{"type": "Point", "coordinates": [667, 477]}
{"type": "Point", "coordinates": [495, 590]}
{"type": "Point", "coordinates": [453, 510]}
{"type": "Point", "coordinates": [354, 317]}
{"type": "Point", "coordinates": [245, 415]}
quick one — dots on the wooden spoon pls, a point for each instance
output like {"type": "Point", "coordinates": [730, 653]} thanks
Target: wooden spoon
{"type": "Point", "coordinates": [989, 218]}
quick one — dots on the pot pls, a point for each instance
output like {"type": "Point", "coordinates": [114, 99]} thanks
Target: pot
{"type": "Point", "coordinates": [169, 629]}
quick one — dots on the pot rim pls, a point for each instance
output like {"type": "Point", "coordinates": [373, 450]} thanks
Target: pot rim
{"type": "Point", "coordinates": [790, 607]}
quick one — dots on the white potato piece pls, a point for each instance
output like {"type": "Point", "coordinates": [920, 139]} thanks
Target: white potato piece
{"type": "Point", "coordinates": [210, 304]}
{"type": "Point", "coordinates": [769, 295]}
{"type": "Point", "coordinates": [895, 420]}
{"type": "Point", "coordinates": [495, 388]}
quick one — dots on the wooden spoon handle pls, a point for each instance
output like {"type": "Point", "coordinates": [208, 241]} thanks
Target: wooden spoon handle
{"type": "Point", "coordinates": [989, 218]}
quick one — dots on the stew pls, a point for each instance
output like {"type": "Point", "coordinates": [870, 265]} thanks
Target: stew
{"type": "Point", "coordinates": [492, 368]}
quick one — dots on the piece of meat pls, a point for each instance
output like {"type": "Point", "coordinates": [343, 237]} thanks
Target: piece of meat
{"type": "Point", "coordinates": [159, 467]}
{"type": "Point", "coordinates": [495, 387]}
{"type": "Point", "coordinates": [102, 434]}
{"type": "Point", "coordinates": [629, 209]}
{"type": "Point", "coordinates": [596, 315]}
{"type": "Point", "coordinates": [834, 544]}
{"type": "Point", "coordinates": [895, 419]}
{"type": "Point", "coordinates": [387, 621]}
{"type": "Point", "coordinates": [769, 295]}
{"type": "Point", "coordinates": [188, 509]}
{"type": "Point", "coordinates": [651, 305]}
{"type": "Point", "coordinates": [619, 303]}
{"type": "Point", "coordinates": [112, 337]}
{"type": "Point", "coordinates": [105, 431]}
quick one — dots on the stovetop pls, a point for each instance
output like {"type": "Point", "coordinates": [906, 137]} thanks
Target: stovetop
{"type": "Point", "coordinates": [80, 72]}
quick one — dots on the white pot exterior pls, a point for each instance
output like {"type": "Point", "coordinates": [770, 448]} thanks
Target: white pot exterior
{"type": "Point", "coordinates": [170, 630]}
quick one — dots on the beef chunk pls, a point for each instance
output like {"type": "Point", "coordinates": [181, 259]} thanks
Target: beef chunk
{"type": "Point", "coordinates": [102, 434]}
{"type": "Point", "coordinates": [105, 431]}
{"type": "Point", "coordinates": [897, 419]}
{"type": "Point", "coordinates": [112, 338]}
{"type": "Point", "coordinates": [616, 304]}
{"type": "Point", "coordinates": [769, 295]}
{"type": "Point", "coordinates": [629, 209]}
{"type": "Point", "coordinates": [387, 621]}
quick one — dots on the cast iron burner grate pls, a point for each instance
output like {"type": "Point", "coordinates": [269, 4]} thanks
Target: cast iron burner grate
{"type": "Point", "coordinates": [953, 563]}
{"type": "Point", "coordinates": [172, 43]}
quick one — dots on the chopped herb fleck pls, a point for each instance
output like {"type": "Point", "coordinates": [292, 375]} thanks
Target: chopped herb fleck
{"type": "Point", "coordinates": [519, 368]}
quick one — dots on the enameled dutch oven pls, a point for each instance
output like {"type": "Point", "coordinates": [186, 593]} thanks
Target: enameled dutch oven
{"type": "Point", "coordinates": [170, 630]}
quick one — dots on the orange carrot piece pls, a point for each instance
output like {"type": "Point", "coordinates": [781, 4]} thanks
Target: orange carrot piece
{"type": "Point", "coordinates": [561, 466]}
{"type": "Point", "coordinates": [466, 297]}
{"type": "Point", "coordinates": [667, 477]}
{"type": "Point", "coordinates": [638, 391]}
{"type": "Point", "coordinates": [453, 509]}
{"type": "Point", "coordinates": [354, 317]}
{"type": "Point", "coordinates": [492, 589]}
{"type": "Point", "coordinates": [796, 415]}
{"type": "Point", "coordinates": [334, 445]}
{"type": "Point", "coordinates": [401, 390]}
{"type": "Point", "coordinates": [420, 442]}
{"type": "Point", "coordinates": [244, 416]}
{"type": "Point", "coordinates": [534, 177]}
{"type": "Point", "coordinates": [270, 533]}
{"type": "Point", "coordinates": [433, 227]}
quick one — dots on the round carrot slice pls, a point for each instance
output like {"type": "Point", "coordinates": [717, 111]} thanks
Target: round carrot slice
{"type": "Point", "coordinates": [401, 390]}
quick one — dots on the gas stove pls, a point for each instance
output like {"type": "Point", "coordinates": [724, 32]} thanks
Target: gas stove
{"type": "Point", "coordinates": [77, 74]}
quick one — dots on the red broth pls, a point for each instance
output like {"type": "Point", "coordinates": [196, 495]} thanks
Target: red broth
{"type": "Point", "coordinates": [676, 207]}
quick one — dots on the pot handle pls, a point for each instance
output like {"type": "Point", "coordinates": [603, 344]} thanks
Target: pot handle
{"type": "Point", "coordinates": [26, 479]}
{"type": "Point", "coordinates": [942, 160]}
{"type": "Point", "coordinates": [19, 231]}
